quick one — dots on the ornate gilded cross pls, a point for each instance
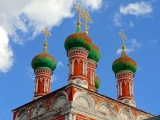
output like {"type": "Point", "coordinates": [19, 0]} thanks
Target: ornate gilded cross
{"type": "Point", "coordinates": [87, 19]}
{"type": "Point", "coordinates": [123, 36]}
{"type": "Point", "coordinates": [78, 8]}
{"type": "Point", "coordinates": [46, 33]}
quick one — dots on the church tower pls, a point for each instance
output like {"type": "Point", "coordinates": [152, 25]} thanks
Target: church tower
{"type": "Point", "coordinates": [124, 68]}
{"type": "Point", "coordinates": [43, 65]}
{"type": "Point", "coordinates": [83, 55]}
{"type": "Point", "coordinates": [93, 59]}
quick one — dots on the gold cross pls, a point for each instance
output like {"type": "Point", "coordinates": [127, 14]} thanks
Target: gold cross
{"type": "Point", "coordinates": [46, 33]}
{"type": "Point", "coordinates": [87, 19]}
{"type": "Point", "coordinates": [78, 8]}
{"type": "Point", "coordinates": [123, 36]}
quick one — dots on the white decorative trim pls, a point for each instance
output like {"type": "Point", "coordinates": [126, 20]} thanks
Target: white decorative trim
{"type": "Point", "coordinates": [84, 96]}
{"type": "Point", "coordinates": [80, 82]}
{"type": "Point", "coordinates": [41, 70]}
{"type": "Point", "coordinates": [91, 69]}
{"type": "Point", "coordinates": [72, 63]}
{"type": "Point", "coordinates": [107, 108]}
{"type": "Point", "coordinates": [91, 77]}
{"type": "Point", "coordinates": [74, 51]}
{"type": "Point", "coordinates": [45, 85]}
{"type": "Point", "coordinates": [41, 74]}
{"type": "Point", "coordinates": [83, 67]}
{"type": "Point", "coordinates": [36, 85]}
{"type": "Point", "coordinates": [125, 114]}
{"type": "Point", "coordinates": [86, 68]}
{"type": "Point", "coordinates": [69, 116]}
{"type": "Point", "coordinates": [128, 102]}
{"type": "Point", "coordinates": [141, 117]}
{"type": "Point", "coordinates": [58, 96]}
{"type": "Point", "coordinates": [122, 78]}
{"type": "Point", "coordinates": [120, 90]}
{"type": "Point", "coordinates": [39, 109]}
{"type": "Point", "coordinates": [90, 112]}
{"type": "Point", "coordinates": [93, 80]}
{"type": "Point", "coordinates": [66, 117]}
{"type": "Point", "coordinates": [120, 74]}
{"type": "Point", "coordinates": [72, 67]}
{"type": "Point", "coordinates": [130, 88]}
{"type": "Point", "coordinates": [22, 114]}
{"type": "Point", "coordinates": [60, 102]}
{"type": "Point", "coordinates": [90, 61]}
{"type": "Point", "coordinates": [77, 77]}
{"type": "Point", "coordinates": [74, 116]}
{"type": "Point", "coordinates": [77, 56]}
{"type": "Point", "coordinates": [127, 97]}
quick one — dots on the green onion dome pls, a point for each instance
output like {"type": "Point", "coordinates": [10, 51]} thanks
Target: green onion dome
{"type": "Point", "coordinates": [97, 82]}
{"type": "Point", "coordinates": [95, 53]}
{"type": "Point", "coordinates": [44, 60]}
{"type": "Point", "coordinates": [124, 63]}
{"type": "Point", "coordinates": [78, 39]}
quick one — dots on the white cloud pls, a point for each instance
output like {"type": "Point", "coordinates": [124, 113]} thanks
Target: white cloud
{"type": "Point", "coordinates": [53, 78]}
{"type": "Point", "coordinates": [60, 64]}
{"type": "Point", "coordinates": [117, 19]}
{"type": "Point", "coordinates": [92, 4]}
{"type": "Point", "coordinates": [138, 8]}
{"type": "Point", "coordinates": [133, 46]}
{"type": "Point", "coordinates": [128, 50]}
{"type": "Point", "coordinates": [131, 24]}
{"type": "Point", "coordinates": [152, 42]}
{"type": "Point", "coordinates": [40, 13]}
{"type": "Point", "coordinates": [27, 17]}
{"type": "Point", "coordinates": [6, 54]}
{"type": "Point", "coordinates": [30, 73]}
{"type": "Point", "coordinates": [30, 16]}
{"type": "Point", "coordinates": [106, 5]}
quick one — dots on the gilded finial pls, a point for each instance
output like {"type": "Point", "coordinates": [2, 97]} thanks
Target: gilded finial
{"type": "Point", "coordinates": [87, 19]}
{"type": "Point", "coordinates": [80, 12]}
{"type": "Point", "coordinates": [46, 34]}
{"type": "Point", "coordinates": [123, 38]}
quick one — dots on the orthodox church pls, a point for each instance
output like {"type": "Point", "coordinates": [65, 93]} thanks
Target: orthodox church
{"type": "Point", "coordinates": [79, 99]}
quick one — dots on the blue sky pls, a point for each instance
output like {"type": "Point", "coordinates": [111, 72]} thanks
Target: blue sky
{"type": "Point", "coordinates": [21, 40]}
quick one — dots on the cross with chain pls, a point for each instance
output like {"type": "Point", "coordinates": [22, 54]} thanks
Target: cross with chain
{"type": "Point", "coordinates": [46, 33]}
{"type": "Point", "coordinates": [78, 8]}
{"type": "Point", "coordinates": [123, 36]}
{"type": "Point", "coordinates": [87, 19]}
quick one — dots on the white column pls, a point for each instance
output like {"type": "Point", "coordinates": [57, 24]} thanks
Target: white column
{"type": "Point", "coordinates": [66, 116]}
{"type": "Point", "coordinates": [72, 67]}
{"type": "Point", "coordinates": [70, 116]}
{"type": "Point", "coordinates": [36, 85]}
{"type": "Point", "coordinates": [83, 67]}
{"type": "Point", "coordinates": [91, 77]}
{"type": "Point", "coordinates": [120, 89]}
{"type": "Point", "coordinates": [74, 116]}
{"type": "Point", "coordinates": [86, 68]}
{"type": "Point", "coordinates": [130, 88]}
